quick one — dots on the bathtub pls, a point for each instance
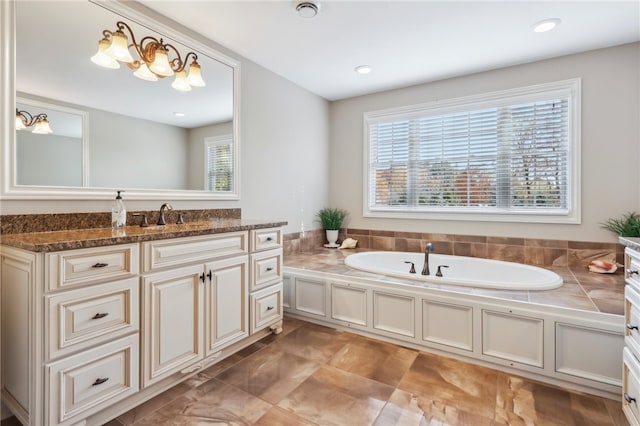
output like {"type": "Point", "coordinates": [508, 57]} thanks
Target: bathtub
{"type": "Point", "coordinates": [464, 271]}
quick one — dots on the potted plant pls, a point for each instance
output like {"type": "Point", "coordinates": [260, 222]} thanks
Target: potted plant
{"type": "Point", "coordinates": [331, 220]}
{"type": "Point", "coordinates": [626, 226]}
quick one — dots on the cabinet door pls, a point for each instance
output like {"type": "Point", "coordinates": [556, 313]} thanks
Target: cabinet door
{"type": "Point", "coordinates": [513, 337]}
{"type": "Point", "coordinates": [447, 324]}
{"type": "Point", "coordinates": [226, 294]}
{"type": "Point", "coordinates": [349, 304]}
{"type": "Point", "coordinates": [173, 306]}
{"type": "Point", "coordinates": [310, 297]}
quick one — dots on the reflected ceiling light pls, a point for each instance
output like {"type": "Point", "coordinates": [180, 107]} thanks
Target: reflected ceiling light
{"type": "Point", "coordinates": [363, 69]}
{"type": "Point", "coordinates": [307, 9]}
{"type": "Point", "coordinates": [546, 25]}
{"type": "Point", "coordinates": [153, 58]}
{"type": "Point", "coordinates": [41, 125]}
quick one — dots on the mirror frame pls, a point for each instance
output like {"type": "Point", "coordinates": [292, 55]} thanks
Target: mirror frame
{"type": "Point", "coordinates": [8, 188]}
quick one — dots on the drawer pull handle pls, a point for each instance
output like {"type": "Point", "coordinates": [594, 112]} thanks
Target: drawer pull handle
{"type": "Point", "coordinates": [104, 314]}
{"type": "Point", "coordinates": [100, 265]}
{"type": "Point", "coordinates": [269, 239]}
{"type": "Point", "coordinates": [100, 381]}
{"type": "Point", "coordinates": [632, 327]}
{"type": "Point", "coordinates": [270, 308]}
{"type": "Point", "coordinates": [269, 269]}
{"type": "Point", "coordinates": [632, 271]}
{"type": "Point", "coordinates": [628, 398]}
{"type": "Point", "coordinates": [202, 277]}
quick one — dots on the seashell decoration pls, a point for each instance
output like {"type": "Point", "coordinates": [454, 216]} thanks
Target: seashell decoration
{"type": "Point", "coordinates": [348, 243]}
{"type": "Point", "coordinates": [602, 266]}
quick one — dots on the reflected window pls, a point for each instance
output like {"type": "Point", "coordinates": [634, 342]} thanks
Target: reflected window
{"type": "Point", "coordinates": [219, 163]}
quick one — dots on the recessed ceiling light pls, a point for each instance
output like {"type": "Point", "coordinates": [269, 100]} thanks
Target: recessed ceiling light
{"type": "Point", "coordinates": [546, 25]}
{"type": "Point", "coordinates": [307, 9]}
{"type": "Point", "coordinates": [363, 69]}
{"type": "Point", "coordinates": [179, 114]}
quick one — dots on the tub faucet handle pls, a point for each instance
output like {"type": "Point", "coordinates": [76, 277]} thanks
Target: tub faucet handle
{"type": "Point", "coordinates": [439, 272]}
{"type": "Point", "coordinates": [413, 267]}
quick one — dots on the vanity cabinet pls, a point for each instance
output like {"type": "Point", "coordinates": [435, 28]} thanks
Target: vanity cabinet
{"type": "Point", "coordinates": [90, 333]}
{"type": "Point", "coordinates": [631, 357]}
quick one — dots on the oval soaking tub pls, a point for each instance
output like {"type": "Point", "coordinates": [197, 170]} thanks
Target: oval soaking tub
{"type": "Point", "coordinates": [466, 271]}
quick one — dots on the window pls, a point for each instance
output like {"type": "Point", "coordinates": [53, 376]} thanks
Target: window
{"type": "Point", "coordinates": [504, 156]}
{"type": "Point", "coordinates": [219, 163]}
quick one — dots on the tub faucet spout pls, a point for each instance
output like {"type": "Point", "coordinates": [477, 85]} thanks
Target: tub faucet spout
{"type": "Point", "coordinates": [425, 268]}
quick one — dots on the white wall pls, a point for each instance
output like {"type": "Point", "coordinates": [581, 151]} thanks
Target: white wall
{"type": "Point", "coordinates": [610, 141]}
{"type": "Point", "coordinates": [48, 159]}
{"type": "Point", "coordinates": [196, 153]}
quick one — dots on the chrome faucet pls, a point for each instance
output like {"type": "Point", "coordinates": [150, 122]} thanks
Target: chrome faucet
{"type": "Point", "coordinates": [427, 249]}
{"type": "Point", "coordinates": [163, 208]}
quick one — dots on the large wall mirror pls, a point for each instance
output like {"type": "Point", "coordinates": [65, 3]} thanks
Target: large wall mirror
{"type": "Point", "coordinates": [144, 137]}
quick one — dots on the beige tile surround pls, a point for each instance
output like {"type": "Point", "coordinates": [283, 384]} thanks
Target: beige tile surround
{"type": "Point", "coordinates": [541, 252]}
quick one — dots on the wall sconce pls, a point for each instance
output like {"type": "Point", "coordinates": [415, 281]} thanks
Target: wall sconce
{"type": "Point", "coordinates": [24, 120]}
{"type": "Point", "coordinates": [153, 58]}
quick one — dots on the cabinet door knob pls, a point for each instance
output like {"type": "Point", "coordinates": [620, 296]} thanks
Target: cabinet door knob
{"type": "Point", "coordinates": [628, 398]}
{"type": "Point", "coordinates": [270, 308]}
{"type": "Point", "coordinates": [269, 239]}
{"type": "Point", "coordinates": [202, 277]}
{"type": "Point", "coordinates": [99, 265]}
{"type": "Point", "coordinates": [104, 314]}
{"type": "Point", "coordinates": [632, 271]}
{"type": "Point", "coordinates": [632, 327]}
{"type": "Point", "coordinates": [100, 381]}
{"type": "Point", "coordinates": [210, 275]}
{"type": "Point", "coordinates": [269, 269]}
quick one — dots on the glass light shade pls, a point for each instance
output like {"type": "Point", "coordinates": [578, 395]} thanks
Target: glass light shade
{"type": "Point", "coordinates": [195, 78]}
{"type": "Point", "coordinates": [19, 123]}
{"type": "Point", "coordinates": [119, 48]}
{"type": "Point", "coordinates": [144, 73]}
{"type": "Point", "coordinates": [160, 65]}
{"type": "Point", "coordinates": [180, 83]}
{"type": "Point", "coordinates": [42, 127]}
{"type": "Point", "coordinates": [102, 58]}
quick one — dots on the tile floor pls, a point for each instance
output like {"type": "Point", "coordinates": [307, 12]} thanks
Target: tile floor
{"type": "Point", "coordinates": [314, 375]}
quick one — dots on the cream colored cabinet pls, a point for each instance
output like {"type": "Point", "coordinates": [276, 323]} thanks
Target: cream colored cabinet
{"type": "Point", "coordinates": [226, 303]}
{"type": "Point", "coordinates": [631, 357]}
{"type": "Point", "coordinates": [88, 334]}
{"type": "Point", "coordinates": [266, 287]}
{"type": "Point", "coordinates": [173, 312]}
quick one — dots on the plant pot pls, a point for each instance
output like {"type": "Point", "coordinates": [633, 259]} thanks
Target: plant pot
{"type": "Point", "coordinates": [332, 237]}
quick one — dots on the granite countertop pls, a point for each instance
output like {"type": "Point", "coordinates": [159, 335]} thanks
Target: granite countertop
{"type": "Point", "coordinates": [98, 237]}
{"type": "Point", "coordinates": [582, 290]}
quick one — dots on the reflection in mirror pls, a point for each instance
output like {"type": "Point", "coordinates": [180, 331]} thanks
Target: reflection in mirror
{"type": "Point", "coordinates": [54, 159]}
{"type": "Point", "coordinates": [141, 135]}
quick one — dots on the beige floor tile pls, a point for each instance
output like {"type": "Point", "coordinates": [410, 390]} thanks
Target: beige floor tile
{"type": "Point", "coordinates": [279, 417]}
{"type": "Point", "coordinates": [154, 404]}
{"type": "Point", "coordinates": [451, 384]}
{"type": "Point", "coordinates": [270, 374]}
{"type": "Point", "coordinates": [335, 397]}
{"type": "Point", "coordinates": [374, 359]}
{"type": "Point", "coordinates": [314, 342]}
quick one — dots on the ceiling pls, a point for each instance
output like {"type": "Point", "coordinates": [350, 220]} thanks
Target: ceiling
{"type": "Point", "coordinates": [406, 42]}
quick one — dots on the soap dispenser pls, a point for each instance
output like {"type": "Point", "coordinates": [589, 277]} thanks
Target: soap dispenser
{"type": "Point", "coordinates": [118, 213]}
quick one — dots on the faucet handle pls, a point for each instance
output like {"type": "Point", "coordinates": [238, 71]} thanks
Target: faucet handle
{"type": "Point", "coordinates": [143, 222]}
{"type": "Point", "coordinates": [439, 272]}
{"type": "Point", "coordinates": [180, 220]}
{"type": "Point", "coordinates": [413, 267]}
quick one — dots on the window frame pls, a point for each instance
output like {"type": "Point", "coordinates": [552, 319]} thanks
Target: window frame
{"type": "Point", "coordinates": [215, 141]}
{"type": "Point", "coordinates": [570, 88]}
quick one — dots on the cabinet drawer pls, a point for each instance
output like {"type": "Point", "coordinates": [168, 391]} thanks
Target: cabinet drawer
{"type": "Point", "coordinates": [265, 239]}
{"type": "Point", "coordinates": [83, 266]}
{"type": "Point", "coordinates": [266, 307]}
{"type": "Point", "coordinates": [632, 268]}
{"type": "Point", "coordinates": [630, 387]}
{"type": "Point", "coordinates": [84, 384]}
{"type": "Point", "coordinates": [178, 251]}
{"type": "Point", "coordinates": [85, 317]}
{"type": "Point", "coordinates": [266, 268]}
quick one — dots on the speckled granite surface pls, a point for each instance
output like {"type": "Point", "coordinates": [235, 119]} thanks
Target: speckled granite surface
{"type": "Point", "coordinates": [98, 237]}
{"type": "Point", "coordinates": [25, 223]}
{"type": "Point", "coordinates": [582, 290]}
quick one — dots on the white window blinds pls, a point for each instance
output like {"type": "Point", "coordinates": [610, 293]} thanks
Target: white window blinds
{"type": "Point", "coordinates": [514, 156]}
{"type": "Point", "coordinates": [219, 163]}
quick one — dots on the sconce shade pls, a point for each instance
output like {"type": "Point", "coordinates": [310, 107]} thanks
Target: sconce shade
{"type": "Point", "coordinates": [19, 122]}
{"type": "Point", "coordinates": [42, 127]}
{"type": "Point", "coordinates": [102, 58]}
{"type": "Point", "coordinates": [180, 83]}
{"type": "Point", "coordinates": [161, 64]}
{"type": "Point", "coordinates": [119, 48]}
{"type": "Point", "coordinates": [144, 73]}
{"type": "Point", "coordinates": [195, 77]}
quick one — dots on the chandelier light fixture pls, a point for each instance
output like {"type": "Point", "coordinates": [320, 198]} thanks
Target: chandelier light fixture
{"type": "Point", "coordinates": [40, 122]}
{"type": "Point", "coordinates": [152, 61]}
